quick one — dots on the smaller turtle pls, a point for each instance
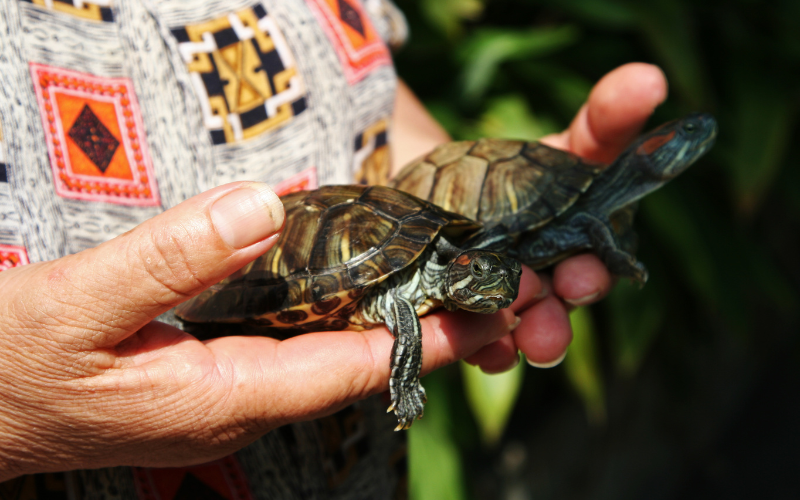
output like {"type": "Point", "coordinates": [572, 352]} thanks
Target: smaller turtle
{"type": "Point", "coordinates": [355, 257]}
{"type": "Point", "coordinates": [542, 205]}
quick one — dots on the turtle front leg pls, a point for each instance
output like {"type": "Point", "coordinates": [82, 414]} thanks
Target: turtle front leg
{"type": "Point", "coordinates": [407, 394]}
{"type": "Point", "coordinates": [582, 231]}
{"type": "Point", "coordinates": [604, 241]}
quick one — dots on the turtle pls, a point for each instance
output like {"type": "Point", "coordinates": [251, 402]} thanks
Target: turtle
{"type": "Point", "coordinates": [541, 205]}
{"type": "Point", "coordinates": [354, 257]}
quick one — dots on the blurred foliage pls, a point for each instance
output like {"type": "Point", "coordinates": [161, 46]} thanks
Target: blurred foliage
{"type": "Point", "coordinates": [582, 366]}
{"type": "Point", "coordinates": [437, 472]}
{"type": "Point", "coordinates": [491, 399]}
{"type": "Point", "coordinates": [688, 387]}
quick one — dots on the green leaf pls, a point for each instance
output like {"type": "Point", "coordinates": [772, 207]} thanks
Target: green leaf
{"type": "Point", "coordinates": [563, 87]}
{"type": "Point", "coordinates": [676, 226]}
{"type": "Point", "coordinates": [492, 398]}
{"type": "Point", "coordinates": [487, 49]}
{"type": "Point", "coordinates": [607, 13]}
{"type": "Point", "coordinates": [510, 117]}
{"type": "Point", "coordinates": [636, 318]}
{"type": "Point", "coordinates": [665, 24]}
{"type": "Point", "coordinates": [758, 143]}
{"type": "Point", "coordinates": [435, 469]}
{"type": "Point", "coordinates": [447, 16]}
{"type": "Point", "coordinates": [582, 366]}
{"type": "Point", "coordinates": [448, 118]}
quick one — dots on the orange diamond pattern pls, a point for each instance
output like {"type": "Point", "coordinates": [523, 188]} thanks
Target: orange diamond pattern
{"type": "Point", "coordinates": [95, 137]}
{"type": "Point", "coordinates": [358, 45]}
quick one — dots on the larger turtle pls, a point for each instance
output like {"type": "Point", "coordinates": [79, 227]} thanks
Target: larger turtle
{"type": "Point", "coordinates": [354, 257]}
{"type": "Point", "coordinates": [541, 204]}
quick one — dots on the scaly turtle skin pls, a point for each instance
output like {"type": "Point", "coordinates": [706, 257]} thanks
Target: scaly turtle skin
{"type": "Point", "coordinates": [541, 205]}
{"type": "Point", "coordinates": [354, 257]}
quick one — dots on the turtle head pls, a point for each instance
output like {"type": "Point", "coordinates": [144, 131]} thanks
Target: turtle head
{"type": "Point", "coordinates": [481, 281]}
{"type": "Point", "coordinates": [668, 150]}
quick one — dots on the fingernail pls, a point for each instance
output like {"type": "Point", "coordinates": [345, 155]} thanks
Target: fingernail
{"type": "Point", "coordinates": [513, 326]}
{"type": "Point", "coordinates": [548, 364]}
{"type": "Point", "coordinates": [543, 293]}
{"type": "Point", "coordinates": [510, 318]}
{"type": "Point", "coordinates": [247, 215]}
{"type": "Point", "coordinates": [582, 301]}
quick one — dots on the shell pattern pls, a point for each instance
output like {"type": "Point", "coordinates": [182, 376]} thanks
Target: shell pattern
{"type": "Point", "coordinates": [523, 184]}
{"type": "Point", "coordinates": [337, 243]}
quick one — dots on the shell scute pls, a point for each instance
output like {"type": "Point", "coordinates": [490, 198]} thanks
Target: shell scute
{"type": "Point", "coordinates": [290, 255]}
{"type": "Point", "coordinates": [292, 317]}
{"type": "Point", "coordinates": [272, 298]}
{"type": "Point", "coordinates": [548, 157]}
{"type": "Point", "coordinates": [356, 292]}
{"type": "Point", "coordinates": [330, 196]}
{"type": "Point", "coordinates": [400, 252]}
{"type": "Point", "coordinates": [348, 232]}
{"type": "Point", "coordinates": [458, 185]}
{"type": "Point", "coordinates": [369, 271]}
{"type": "Point", "coordinates": [422, 229]}
{"type": "Point", "coordinates": [322, 287]}
{"type": "Point", "coordinates": [418, 177]}
{"type": "Point", "coordinates": [511, 185]}
{"type": "Point", "coordinates": [327, 306]}
{"type": "Point", "coordinates": [450, 152]}
{"type": "Point", "coordinates": [392, 203]}
{"type": "Point", "coordinates": [493, 150]}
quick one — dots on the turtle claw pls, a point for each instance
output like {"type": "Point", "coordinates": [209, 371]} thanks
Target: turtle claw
{"type": "Point", "coordinates": [408, 405]}
{"type": "Point", "coordinates": [638, 273]}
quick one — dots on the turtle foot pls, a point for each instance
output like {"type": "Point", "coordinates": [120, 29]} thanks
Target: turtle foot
{"type": "Point", "coordinates": [407, 395]}
{"type": "Point", "coordinates": [626, 266]}
{"type": "Point", "coordinates": [408, 404]}
{"type": "Point", "coordinates": [637, 273]}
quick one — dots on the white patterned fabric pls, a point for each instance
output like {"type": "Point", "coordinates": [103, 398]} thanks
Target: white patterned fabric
{"type": "Point", "coordinates": [112, 111]}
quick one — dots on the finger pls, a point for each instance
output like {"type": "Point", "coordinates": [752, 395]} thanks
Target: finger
{"type": "Point", "coordinates": [581, 280]}
{"type": "Point", "coordinates": [531, 290]}
{"type": "Point", "coordinates": [286, 374]}
{"type": "Point", "coordinates": [617, 109]}
{"type": "Point", "coordinates": [544, 332]}
{"type": "Point", "coordinates": [497, 357]}
{"type": "Point", "coordinates": [111, 290]}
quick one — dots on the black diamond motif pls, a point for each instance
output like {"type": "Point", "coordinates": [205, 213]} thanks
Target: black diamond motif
{"type": "Point", "coordinates": [351, 17]}
{"type": "Point", "coordinates": [93, 138]}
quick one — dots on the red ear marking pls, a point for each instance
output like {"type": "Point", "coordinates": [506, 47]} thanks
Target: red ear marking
{"type": "Point", "coordinates": [463, 259]}
{"type": "Point", "coordinates": [654, 143]}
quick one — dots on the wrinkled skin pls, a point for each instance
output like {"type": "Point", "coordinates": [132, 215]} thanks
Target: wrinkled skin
{"type": "Point", "coordinates": [88, 379]}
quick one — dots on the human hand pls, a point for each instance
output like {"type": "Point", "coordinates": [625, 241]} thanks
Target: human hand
{"type": "Point", "coordinates": [88, 380]}
{"type": "Point", "coordinates": [617, 109]}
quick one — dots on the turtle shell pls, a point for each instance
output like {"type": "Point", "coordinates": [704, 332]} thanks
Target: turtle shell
{"type": "Point", "coordinates": [337, 243]}
{"type": "Point", "coordinates": [522, 185]}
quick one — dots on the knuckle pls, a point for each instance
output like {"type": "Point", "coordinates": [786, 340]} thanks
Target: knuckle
{"type": "Point", "coordinates": [167, 259]}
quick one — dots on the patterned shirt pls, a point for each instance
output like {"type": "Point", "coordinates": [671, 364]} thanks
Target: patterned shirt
{"type": "Point", "coordinates": [112, 111]}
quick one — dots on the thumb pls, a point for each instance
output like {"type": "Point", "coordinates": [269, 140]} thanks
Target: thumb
{"type": "Point", "coordinates": [110, 291]}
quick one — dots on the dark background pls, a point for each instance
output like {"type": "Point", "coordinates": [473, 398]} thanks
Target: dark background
{"type": "Point", "coordinates": [687, 388]}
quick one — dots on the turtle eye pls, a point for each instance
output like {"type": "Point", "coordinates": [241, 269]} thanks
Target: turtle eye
{"type": "Point", "coordinates": [476, 270]}
{"type": "Point", "coordinates": [689, 127]}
